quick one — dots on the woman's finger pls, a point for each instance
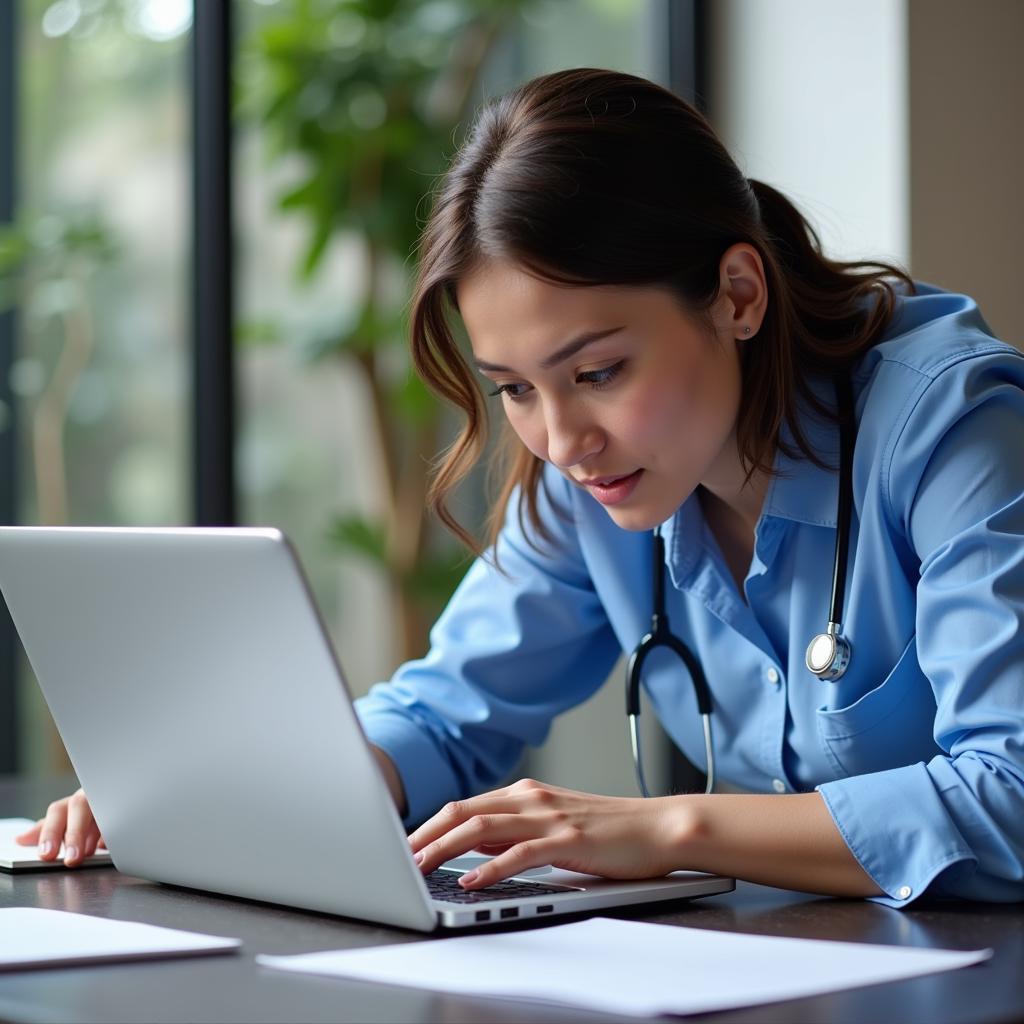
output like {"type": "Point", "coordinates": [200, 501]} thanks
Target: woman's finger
{"type": "Point", "coordinates": [530, 853]}
{"type": "Point", "coordinates": [524, 795]}
{"type": "Point", "coordinates": [81, 829]}
{"type": "Point", "coordinates": [481, 828]}
{"type": "Point", "coordinates": [30, 837]}
{"type": "Point", "coordinates": [454, 814]}
{"type": "Point", "coordinates": [492, 849]}
{"type": "Point", "coordinates": [91, 842]}
{"type": "Point", "coordinates": [51, 835]}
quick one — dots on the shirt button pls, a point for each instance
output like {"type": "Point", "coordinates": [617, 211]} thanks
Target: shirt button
{"type": "Point", "coordinates": [778, 785]}
{"type": "Point", "coordinates": [773, 676]}
{"type": "Point", "coordinates": [904, 893]}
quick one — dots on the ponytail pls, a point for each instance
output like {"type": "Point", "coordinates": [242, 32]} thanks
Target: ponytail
{"type": "Point", "coordinates": [823, 315]}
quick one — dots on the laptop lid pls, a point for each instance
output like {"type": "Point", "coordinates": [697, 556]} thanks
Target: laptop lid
{"type": "Point", "coordinates": [204, 713]}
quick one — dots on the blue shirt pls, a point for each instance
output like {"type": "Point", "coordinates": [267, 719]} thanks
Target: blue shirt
{"type": "Point", "coordinates": [918, 750]}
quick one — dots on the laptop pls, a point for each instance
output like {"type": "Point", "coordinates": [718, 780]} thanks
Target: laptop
{"type": "Point", "coordinates": [207, 718]}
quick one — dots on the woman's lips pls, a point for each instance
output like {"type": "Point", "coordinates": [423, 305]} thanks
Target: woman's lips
{"type": "Point", "coordinates": [612, 491]}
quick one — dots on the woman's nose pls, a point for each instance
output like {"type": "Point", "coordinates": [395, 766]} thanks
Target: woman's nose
{"type": "Point", "coordinates": [572, 440]}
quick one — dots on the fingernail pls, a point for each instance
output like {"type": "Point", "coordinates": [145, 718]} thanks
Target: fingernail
{"type": "Point", "coordinates": [418, 857]}
{"type": "Point", "coordinates": [469, 877]}
{"type": "Point", "coordinates": [71, 853]}
{"type": "Point", "coordinates": [45, 847]}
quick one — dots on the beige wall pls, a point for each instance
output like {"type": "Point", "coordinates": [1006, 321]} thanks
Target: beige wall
{"type": "Point", "coordinates": [966, 89]}
{"type": "Point", "coordinates": [811, 97]}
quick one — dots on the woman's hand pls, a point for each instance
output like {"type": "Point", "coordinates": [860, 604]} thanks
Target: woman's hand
{"type": "Point", "coordinates": [68, 821]}
{"type": "Point", "coordinates": [531, 824]}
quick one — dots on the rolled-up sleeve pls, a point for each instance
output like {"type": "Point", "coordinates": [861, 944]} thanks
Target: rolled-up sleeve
{"type": "Point", "coordinates": [955, 825]}
{"type": "Point", "coordinates": [516, 646]}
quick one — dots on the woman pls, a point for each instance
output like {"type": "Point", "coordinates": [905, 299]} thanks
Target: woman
{"type": "Point", "coordinates": [673, 353]}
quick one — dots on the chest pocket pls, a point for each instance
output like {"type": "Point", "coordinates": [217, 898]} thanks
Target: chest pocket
{"type": "Point", "coordinates": [888, 727]}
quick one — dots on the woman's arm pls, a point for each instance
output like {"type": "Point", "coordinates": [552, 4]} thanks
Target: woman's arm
{"type": "Point", "coordinates": [787, 841]}
{"type": "Point", "coordinates": [954, 488]}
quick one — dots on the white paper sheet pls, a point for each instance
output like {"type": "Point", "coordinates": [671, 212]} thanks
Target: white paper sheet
{"type": "Point", "coordinates": [31, 937]}
{"type": "Point", "coordinates": [629, 967]}
{"type": "Point", "coordinates": [14, 857]}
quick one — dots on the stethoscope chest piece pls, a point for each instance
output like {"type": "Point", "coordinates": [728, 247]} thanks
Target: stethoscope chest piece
{"type": "Point", "coordinates": [827, 656]}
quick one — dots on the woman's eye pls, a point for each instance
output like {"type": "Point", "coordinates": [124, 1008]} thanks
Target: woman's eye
{"type": "Point", "coordinates": [596, 379]}
{"type": "Point", "coordinates": [512, 390]}
{"type": "Point", "coordinates": [600, 378]}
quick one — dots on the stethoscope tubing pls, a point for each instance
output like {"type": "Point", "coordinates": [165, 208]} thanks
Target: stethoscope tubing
{"type": "Point", "coordinates": [661, 636]}
{"type": "Point", "coordinates": [844, 500]}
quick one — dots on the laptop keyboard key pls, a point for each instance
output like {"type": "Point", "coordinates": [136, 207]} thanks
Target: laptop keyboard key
{"type": "Point", "coordinates": [443, 884]}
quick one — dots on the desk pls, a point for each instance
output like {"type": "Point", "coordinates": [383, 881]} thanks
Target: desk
{"type": "Point", "coordinates": [234, 988]}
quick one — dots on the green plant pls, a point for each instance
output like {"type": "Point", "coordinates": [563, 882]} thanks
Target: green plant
{"type": "Point", "coordinates": [370, 95]}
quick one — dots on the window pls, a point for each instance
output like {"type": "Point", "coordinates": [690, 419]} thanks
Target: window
{"type": "Point", "coordinates": [98, 376]}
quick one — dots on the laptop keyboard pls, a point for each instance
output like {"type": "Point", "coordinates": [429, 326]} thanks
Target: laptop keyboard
{"type": "Point", "coordinates": [444, 885]}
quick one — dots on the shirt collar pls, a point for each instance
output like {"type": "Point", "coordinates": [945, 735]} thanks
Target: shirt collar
{"type": "Point", "coordinates": [802, 491]}
{"type": "Point", "coordinates": [683, 536]}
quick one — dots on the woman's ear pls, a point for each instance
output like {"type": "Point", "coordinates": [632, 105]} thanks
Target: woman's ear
{"type": "Point", "coordinates": [739, 310]}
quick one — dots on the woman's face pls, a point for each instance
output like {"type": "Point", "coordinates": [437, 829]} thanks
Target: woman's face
{"type": "Point", "coordinates": [618, 387]}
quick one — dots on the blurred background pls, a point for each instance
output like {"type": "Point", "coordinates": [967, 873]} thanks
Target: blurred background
{"type": "Point", "coordinates": [206, 219]}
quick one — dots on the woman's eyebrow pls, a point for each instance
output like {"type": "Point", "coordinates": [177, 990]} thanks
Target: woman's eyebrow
{"type": "Point", "coordinates": [566, 351]}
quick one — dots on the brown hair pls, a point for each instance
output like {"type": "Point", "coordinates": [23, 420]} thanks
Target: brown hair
{"type": "Point", "coordinates": [591, 177]}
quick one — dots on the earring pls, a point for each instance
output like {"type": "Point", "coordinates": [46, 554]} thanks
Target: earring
{"type": "Point", "coordinates": [746, 330]}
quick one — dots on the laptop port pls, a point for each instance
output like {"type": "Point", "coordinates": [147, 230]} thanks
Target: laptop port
{"type": "Point", "coordinates": [548, 908]}
{"type": "Point", "coordinates": [507, 912]}
{"type": "Point", "coordinates": [483, 915]}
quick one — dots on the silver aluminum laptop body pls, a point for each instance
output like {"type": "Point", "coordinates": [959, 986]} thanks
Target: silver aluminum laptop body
{"type": "Point", "coordinates": [208, 721]}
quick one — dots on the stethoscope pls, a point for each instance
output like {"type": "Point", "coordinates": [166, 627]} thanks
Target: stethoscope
{"type": "Point", "coordinates": [828, 654]}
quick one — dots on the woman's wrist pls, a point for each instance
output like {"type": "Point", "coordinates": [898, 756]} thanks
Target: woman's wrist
{"type": "Point", "coordinates": [681, 830]}
{"type": "Point", "coordinates": [786, 841]}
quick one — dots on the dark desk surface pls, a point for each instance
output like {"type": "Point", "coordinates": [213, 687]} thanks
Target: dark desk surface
{"type": "Point", "coordinates": [234, 988]}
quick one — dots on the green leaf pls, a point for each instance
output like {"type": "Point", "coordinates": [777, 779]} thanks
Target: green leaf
{"type": "Point", "coordinates": [362, 536]}
{"type": "Point", "coordinates": [88, 236]}
{"type": "Point", "coordinates": [322, 232]}
{"type": "Point", "coordinates": [315, 347]}
{"type": "Point", "coordinates": [414, 402]}
{"type": "Point", "coordinates": [353, 334]}
{"type": "Point", "coordinates": [14, 249]}
{"type": "Point", "coordinates": [434, 580]}
{"type": "Point", "coordinates": [306, 194]}
{"type": "Point", "coordinates": [255, 333]}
